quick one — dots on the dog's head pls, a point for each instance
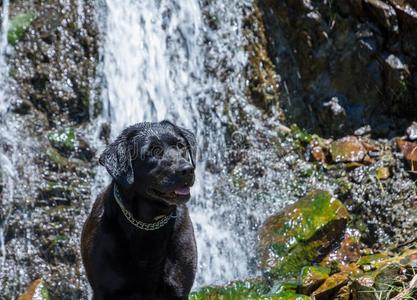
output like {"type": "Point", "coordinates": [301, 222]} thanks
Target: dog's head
{"type": "Point", "coordinates": [154, 160]}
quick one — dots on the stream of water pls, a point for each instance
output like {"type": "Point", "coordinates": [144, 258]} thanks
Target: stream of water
{"type": "Point", "coordinates": [184, 61]}
{"type": "Point", "coordinates": [155, 67]}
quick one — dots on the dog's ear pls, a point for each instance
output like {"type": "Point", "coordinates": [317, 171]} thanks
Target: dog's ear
{"type": "Point", "coordinates": [117, 159]}
{"type": "Point", "coordinates": [191, 141]}
{"type": "Point", "coordinates": [189, 137]}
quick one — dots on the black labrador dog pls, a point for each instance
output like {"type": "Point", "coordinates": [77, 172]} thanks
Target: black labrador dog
{"type": "Point", "coordinates": [138, 241]}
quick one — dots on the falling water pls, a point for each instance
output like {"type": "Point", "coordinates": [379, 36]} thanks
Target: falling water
{"type": "Point", "coordinates": [185, 61]}
{"type": "Point", "coordinates": [5, 167]}
{"type": "Point", "coordinates": [155, 67]}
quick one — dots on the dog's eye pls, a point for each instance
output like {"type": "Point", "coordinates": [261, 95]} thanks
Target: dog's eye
{"type": "Point", "coordinates": [156, 151]}
{"type": "Point", "coordinates": [182, 148]}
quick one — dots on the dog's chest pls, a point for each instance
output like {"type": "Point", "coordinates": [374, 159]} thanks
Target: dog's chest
{"type": "Point", "coordinates": [145, 261]}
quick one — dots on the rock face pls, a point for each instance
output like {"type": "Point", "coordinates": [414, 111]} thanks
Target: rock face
{"type": "Point", "coordinates": [345, 64]}
{"type": "Point", "coordinates": [301, 234]}
{"type": "Point", "coordinates": [54, 64]}
{"type": "Point", "coordinates": [52, 55]}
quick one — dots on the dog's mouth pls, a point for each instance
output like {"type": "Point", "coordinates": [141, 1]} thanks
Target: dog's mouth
{"type": "Point", "coordinates": [180, 194]}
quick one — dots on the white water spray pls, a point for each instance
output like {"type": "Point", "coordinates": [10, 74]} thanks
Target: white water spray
{"type": "Point", "coordinates": [155, 67]}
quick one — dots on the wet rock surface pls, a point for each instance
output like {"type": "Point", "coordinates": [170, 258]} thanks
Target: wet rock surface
{"type": "Point", "coordinates": [301, 234]}
{"type": "Point", "coordinates": [52, 57]}
{"type": "Point", "coordinates": [345, 65]}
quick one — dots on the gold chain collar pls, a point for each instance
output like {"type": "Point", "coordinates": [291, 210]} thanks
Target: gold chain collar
{"type": "Point", "coordinates": [139, 224]}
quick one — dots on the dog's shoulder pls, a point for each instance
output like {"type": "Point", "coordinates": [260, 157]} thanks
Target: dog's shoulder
{"type": "Point", "coordinates": [91, 226]}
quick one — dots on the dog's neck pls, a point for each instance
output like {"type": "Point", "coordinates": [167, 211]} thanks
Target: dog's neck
{"type": "Point", "coordinates": [145, 209]}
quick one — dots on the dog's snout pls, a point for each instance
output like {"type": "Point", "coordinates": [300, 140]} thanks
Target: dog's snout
{"type": "Point", "coordinates": [185, 170]}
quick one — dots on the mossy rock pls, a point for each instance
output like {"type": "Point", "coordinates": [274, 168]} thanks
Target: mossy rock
{"type": "Point", "coordinates": [18, 27]}
{"type": "Point", "coordinates": [302, 234]}
{"type": "Point", "coordinates": [56, 159]}
{"type": "Point", "coordinates": [348, 149]}
{"type": "Point", "coordinates": [63, 139]}
{"type": "Point", "coordinates": [331, 286]}
{"type": "Point", "coordinates": [36, 291]}
{"type": "Point", "coordinates": [312, 277]}
{"type": "Point", "coordinates": [250, 289]}
{"type": "Point", "coordinates": [245, 290]}
{"type": "Point", "coordinates": [372, 261]}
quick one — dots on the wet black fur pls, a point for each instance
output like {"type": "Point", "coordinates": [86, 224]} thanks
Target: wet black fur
{"type": "Point", "coordinates": [121, 261]}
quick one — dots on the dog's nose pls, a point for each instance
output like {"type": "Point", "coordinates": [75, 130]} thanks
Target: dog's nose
{"type": "Point", "coordinates": [185, 170]}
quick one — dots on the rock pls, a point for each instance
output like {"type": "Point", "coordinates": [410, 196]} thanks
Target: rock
{"type": "Point", "coordinates": [262, 78]}
{"type": "Point", "coordinates": [386, 280]}
{"type": "Point", "coordinates": [348, 251]}
{"type": "Point", "coordinates": [330, 287]}
{"type": "Point", "coordinates": [383, 13]}
{"type": "Point", "coordinates": [346, 65]}
{"type": "Point", "coordinates": [382, 173]}
{"type": "Point", "coordinates": [36, 291]}
{"type": "Point", "coordinates": [63, 140]}
{"type": "Point", "coordinates": [373, 261]}
{"type": "Point", "coordinates": [363, 130]}
{"type": "Point", "coordinates": [412, 132]}
{"type": "Point", "coordinates": [249, 289]}
{"type": "Point", "coordinates": [22, 107]}
{"type": "Point", "coordinates": [347, 149]}
{"type": "Point", "coordinates": [301, 234]}
{"type": "Point", "coordinates": [333, 115]}
{"type": "Point", "coordinates": [18, 27]}
{"type": "Point", "coordinates": [362, 288]}
{"type": "Point", "coordinates": [318, 153]}
{"type": "Point", "coordinates": [409, 151]}
{"type": "Point", "coordinates": [83, 150]}
{"type": "Point", "coordinates": [56, 159]}
{"type": "Point", "coordinates": [311, 278]}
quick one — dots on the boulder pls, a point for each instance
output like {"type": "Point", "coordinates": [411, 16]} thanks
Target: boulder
{"type": "Point", "coordinates": [311, 278]}
{"type": "Point", "coordinates": [301, 234]}
{"type": "Point", "coordinates": [347, 149]}
{"type": "Point", "coordinates": [36, 291]}
{"type": "Point", "coordinates": [330, 287]}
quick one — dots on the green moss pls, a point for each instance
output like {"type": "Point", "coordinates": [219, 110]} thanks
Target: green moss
{"type": "Point", "coordinates": [18, 27]}
{"type": "Point", "coordinates": [300, 134]}
{"type": "Point", "coordinates": [372, 260]}
{"type": "Point", "coordinates": [246, 290]}
{"type": "Point", "coordinates": [302, 233]}
{"type": "Point", "coordinates": [63, 139]}
{"type": "Point", "coordinates": [251, 289]}
{"type": "Point", "coordinates": [313, 275]}
{"type": "Point", "coordinates": [56, 158]}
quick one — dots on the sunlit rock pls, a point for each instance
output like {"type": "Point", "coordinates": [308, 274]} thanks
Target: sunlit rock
{"type": "Point", "coordinates": [301, 234]}
{"type": "Point", "coordinates": [331, 286]}
{"type": "Point", "coordinates": [312, 277]}
{"type": "Point", "coordinates": [347, 149]}
{"type": "Point", "coordinates": [412, 131]}
{"type": "Point", "coordinates": [36, 291]}
{"type": "Point", "coordinates": [249, 289]}
{"type": "Point", "coordinates": [409, 151]}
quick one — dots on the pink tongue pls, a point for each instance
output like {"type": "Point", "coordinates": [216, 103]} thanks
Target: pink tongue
{"type": "Point", "coordinates": [182, 191]}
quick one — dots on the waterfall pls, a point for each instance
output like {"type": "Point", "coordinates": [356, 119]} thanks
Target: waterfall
{"type": "Point", "coordinates": [156, 56]}
{"type": "Point", "coordinates": [5, 165]}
